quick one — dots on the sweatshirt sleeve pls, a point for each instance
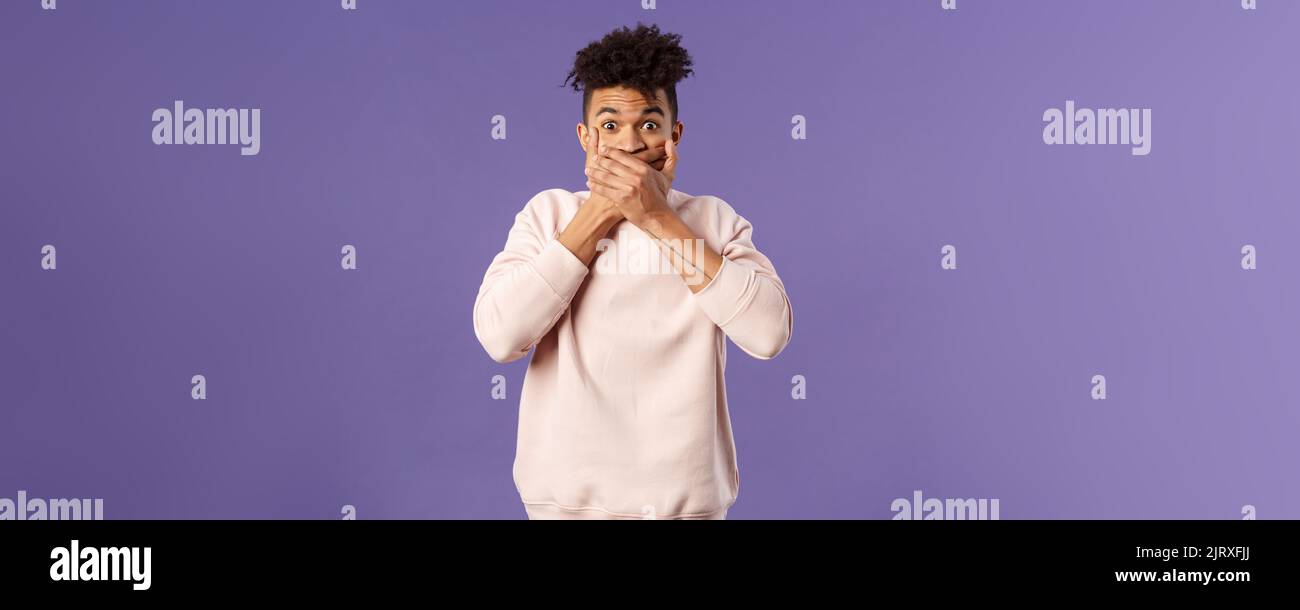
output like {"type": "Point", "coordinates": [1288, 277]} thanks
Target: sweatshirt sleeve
{"type": "Point", "coordinates": [747, 299]}
{"type": "Point", "coordinates": [527, 287]}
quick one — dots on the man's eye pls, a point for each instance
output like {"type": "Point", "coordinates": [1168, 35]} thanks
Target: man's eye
{"type": "Point", "coordinates": [607, 125]}
{"type": "Point", "coordinates": [652, 125]}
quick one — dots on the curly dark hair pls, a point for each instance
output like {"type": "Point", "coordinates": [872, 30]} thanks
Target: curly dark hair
{"type": "Point", "coordinates": [642, 59]}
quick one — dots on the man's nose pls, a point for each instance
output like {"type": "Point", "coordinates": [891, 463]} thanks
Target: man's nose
{"type": "Point", "coordinates": [629, 141]}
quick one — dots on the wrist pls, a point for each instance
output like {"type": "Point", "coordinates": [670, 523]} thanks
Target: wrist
{"type": "Point", "coordinates": [602, 210]}
{"type": "Point", "coordinates": [660, 221]}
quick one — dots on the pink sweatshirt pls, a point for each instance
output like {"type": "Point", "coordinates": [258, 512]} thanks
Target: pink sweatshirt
{"type": "Point", "coordinates": [623, 411]}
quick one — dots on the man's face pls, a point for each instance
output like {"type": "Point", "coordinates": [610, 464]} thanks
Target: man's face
{"type": "Point", "coordinates": [630, 122]}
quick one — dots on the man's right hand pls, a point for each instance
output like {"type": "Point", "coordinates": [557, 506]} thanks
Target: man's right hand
{"type": "Point", "coordinates": [595, 217]}
{"type": "Point", "coordinates": [604, 204]}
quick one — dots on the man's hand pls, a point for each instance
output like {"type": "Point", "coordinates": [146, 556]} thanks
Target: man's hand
{"type": "Point", "coordinates": [639, 191]}
{"type": "Point", "coordinates": [595, 218]}
{"type": "Point", "coordinates": [594, 151]}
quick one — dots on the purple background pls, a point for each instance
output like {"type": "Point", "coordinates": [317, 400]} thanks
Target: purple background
{"type": "Point", "coordinates": [368, 388]}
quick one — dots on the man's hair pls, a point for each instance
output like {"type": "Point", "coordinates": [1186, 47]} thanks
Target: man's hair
{"type": "Point", "coordinates": [642, 59]}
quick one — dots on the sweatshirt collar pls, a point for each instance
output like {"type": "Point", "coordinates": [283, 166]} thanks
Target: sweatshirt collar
{"type": "Point", "coordinates": [675, 197]}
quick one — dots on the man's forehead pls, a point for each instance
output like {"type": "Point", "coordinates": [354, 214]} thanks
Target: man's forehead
{"type": "Point", "coordinates": [624, 100]}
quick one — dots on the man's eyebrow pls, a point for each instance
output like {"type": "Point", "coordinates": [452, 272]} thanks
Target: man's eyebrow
{"type": "Point", "coordinates": [648, 110]}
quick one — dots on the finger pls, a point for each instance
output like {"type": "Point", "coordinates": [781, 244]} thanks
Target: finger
{"type": "Point", "coordinates": [626, 159]}
{"type": "Point", "coordinates": [611, 185]}
{"type": "Point", "coordinates": [615, 167]}
{"type": "Point", "coordinates": [599, 178]}
{"type": "Point", "coordinates": [601, 189]}
{"type": "Point", "coordinates": [593, 144]}
{"type": "Point", "coordinates": [608, 177]}
{"type": "Point", "coordinates": [670, 166]}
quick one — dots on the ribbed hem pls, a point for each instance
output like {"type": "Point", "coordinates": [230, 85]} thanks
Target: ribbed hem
{"type": "Point", "coordinates": [561, 270]}
{"type": "Point", "coordinates": [728, 293]}
{"type": "Point", "coordinates": [540, 511]}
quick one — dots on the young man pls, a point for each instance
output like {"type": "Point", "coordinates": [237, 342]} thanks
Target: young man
{"type": "Point", "coordinates": [626, 292]}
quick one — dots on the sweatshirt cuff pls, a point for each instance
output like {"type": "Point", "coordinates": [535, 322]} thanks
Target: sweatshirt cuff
{"type": "Point", "coordinates": [723, 297]}
{"type": "Point", "coordinates": [560, 269]}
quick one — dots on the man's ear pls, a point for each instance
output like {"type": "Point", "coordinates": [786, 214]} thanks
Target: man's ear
{"type": "Point", "coordinates": [677, 132]}
{"type": "Point", "coordinates": [582, 136]}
